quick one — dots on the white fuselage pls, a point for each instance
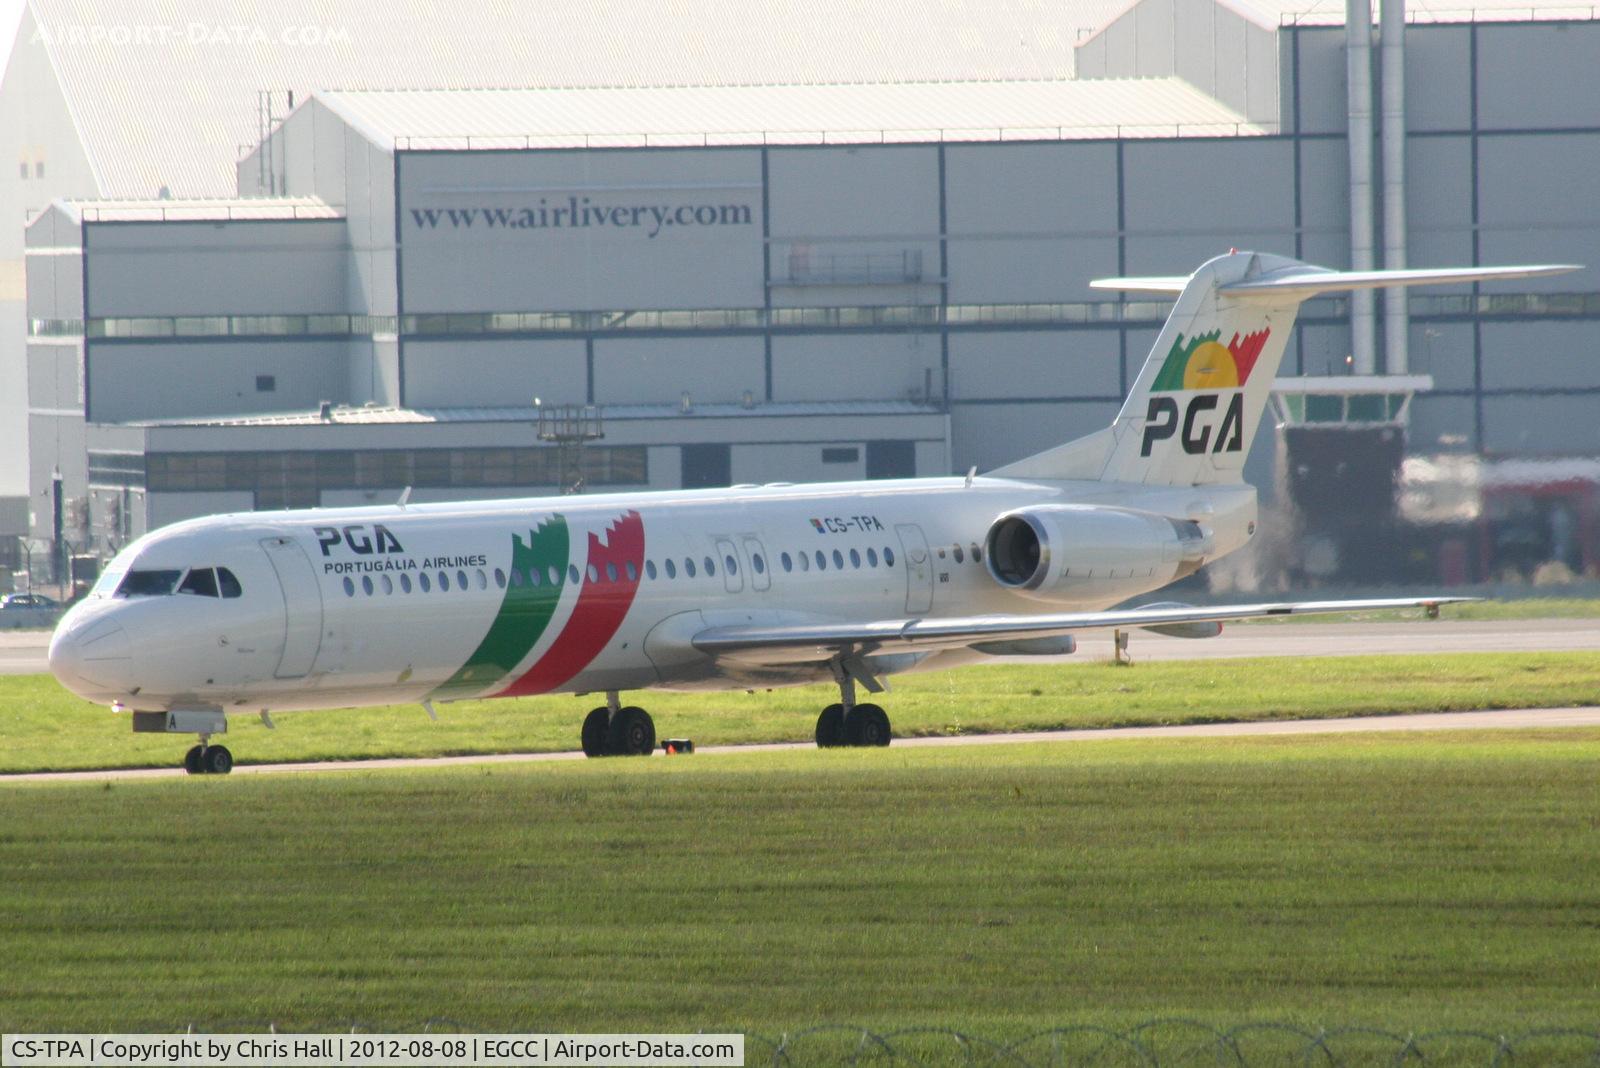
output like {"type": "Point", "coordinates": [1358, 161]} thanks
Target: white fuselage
{"type": "Point", "coordinates": [345, 607]}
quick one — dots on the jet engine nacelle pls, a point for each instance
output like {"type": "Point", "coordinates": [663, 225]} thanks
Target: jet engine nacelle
{"type": "Point", "coordinates": [1080, 552]}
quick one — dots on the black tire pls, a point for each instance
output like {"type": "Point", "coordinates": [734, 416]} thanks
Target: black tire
{"type": "Point", "coordinates": [217, 760]}
{"type": "Point", "coordinates": [633, 733]}
{"type": "Point", "coordinates": [867, 725]}
{"type": "Point", "coordinates": [191, 761]}
{"type": "Point", "coordinates": [596, 728]}
{"type": "Point", "coordinates": [830, 727]}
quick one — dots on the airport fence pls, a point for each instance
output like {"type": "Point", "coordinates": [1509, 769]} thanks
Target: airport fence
{"type": "Point", "coordinates": [1159, 1043]}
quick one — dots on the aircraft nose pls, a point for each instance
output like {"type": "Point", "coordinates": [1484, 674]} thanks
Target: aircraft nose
{"type": "Point", "coordinates": [96, 656]}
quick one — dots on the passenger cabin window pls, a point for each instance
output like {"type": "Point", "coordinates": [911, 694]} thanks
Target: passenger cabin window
{"type": "Point", "coordinates": [200, 582]}
{"type": "Point", "coordinates": [149, 583]}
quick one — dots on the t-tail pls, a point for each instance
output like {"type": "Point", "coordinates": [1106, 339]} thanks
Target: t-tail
{"type": "Point", "coordinates": [1193, 411]}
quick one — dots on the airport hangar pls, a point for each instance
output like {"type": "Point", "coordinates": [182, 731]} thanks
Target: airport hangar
{"type": "Point", "coordinates": [760, 282]}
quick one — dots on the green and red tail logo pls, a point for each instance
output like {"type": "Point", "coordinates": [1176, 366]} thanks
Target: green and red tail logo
{"type": "Point", "coordinates": [1205, 363]}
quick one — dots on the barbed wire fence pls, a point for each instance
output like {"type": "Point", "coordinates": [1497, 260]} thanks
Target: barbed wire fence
{"type": "Point", "coordinates": [1158, 1043]}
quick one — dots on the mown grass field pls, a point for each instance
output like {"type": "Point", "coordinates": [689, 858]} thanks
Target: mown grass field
{"type": "Point", "coordinates": [42, 727]}
{"type": "Point", "coordinates": [1409, 882]}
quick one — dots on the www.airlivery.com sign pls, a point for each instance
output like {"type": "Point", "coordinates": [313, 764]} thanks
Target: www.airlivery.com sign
{"type": "Point", "coordinates": [578, 212]}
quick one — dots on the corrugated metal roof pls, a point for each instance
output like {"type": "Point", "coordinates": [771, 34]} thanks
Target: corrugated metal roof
{"type": "Point", "coordinates": [165, 92]}
{"type": "Point", "coordinates": [787, 114]}
{"type": "Point", "coordinates": [200, 209]}
{"type": "Point", "coordinates": [376, 416]}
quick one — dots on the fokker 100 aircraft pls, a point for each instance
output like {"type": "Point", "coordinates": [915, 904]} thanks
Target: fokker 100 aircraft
{"type": "Point", "coordinates": [742, 588]}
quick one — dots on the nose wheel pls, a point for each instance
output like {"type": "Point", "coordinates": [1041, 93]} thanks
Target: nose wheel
{"type": "Point", "coordinates": [208, 760]}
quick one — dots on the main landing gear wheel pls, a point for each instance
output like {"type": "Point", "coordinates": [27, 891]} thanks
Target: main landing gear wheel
{"type": "Point", "coordinates": [191, 760]}
{"type": "Point", "coordinates": [596, 727]}
{"type": "Point", "coordinates": [633, 733]}
{"type": "Point", "coordinates": [866, 725]}
{"type": "Point", "coordinates": [830, 727]}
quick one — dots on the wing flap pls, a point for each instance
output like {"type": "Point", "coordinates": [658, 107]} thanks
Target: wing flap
{"type": "Point", "coordinates": [789, 643]}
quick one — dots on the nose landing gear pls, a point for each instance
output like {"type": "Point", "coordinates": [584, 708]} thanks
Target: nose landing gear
{"type": "Point", "coordinates": [203, 759]}
{"type": "Point", "coordinates": [206, 759]}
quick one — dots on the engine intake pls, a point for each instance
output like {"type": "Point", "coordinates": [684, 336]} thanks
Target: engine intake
{"type": "Point", "coordinates": [1075, 552]}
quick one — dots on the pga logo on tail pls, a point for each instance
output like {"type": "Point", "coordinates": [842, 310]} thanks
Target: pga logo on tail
{"type": "Point", "coordinates": [1203, 363]}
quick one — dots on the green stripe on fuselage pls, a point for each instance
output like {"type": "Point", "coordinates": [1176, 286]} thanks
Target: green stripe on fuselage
{"type": "Point", "coordinates": [524, 614]}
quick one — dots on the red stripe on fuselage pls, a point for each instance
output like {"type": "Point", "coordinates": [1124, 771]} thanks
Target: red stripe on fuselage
{"type": "Point", "coordinates": [602, 605]}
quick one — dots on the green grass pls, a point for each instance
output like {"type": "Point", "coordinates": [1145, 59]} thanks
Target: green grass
{"type": "Point", "coordinates": [1409, 882]}
{"type": "Point", "coordinates": [42, 727]}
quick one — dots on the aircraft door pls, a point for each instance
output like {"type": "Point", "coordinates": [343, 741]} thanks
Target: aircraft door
{"type": "Point", "coordinates": [727, 555]}
{"type": "Point", "coordinates": [919, 568]}
{"type": "Point", "coordinates": [755, 558]}
{"type": "Point", "coordinates": [302, 607]}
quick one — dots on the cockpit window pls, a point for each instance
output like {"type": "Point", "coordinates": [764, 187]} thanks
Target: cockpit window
{"type": "Point", "coordinates": [230, 585]}
{"type": "Point", "coordinates": [149, 583]}
{"type": "Point", "coordinates": [200, 582]}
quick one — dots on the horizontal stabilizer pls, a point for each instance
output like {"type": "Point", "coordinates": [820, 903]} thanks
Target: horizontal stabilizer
{"type": "Point", "coordinates": [1171, 284]}
{"type": "Point", "coordinates": [1302, 282]}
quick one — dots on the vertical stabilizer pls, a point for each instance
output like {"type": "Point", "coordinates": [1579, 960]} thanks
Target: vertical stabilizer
{"type": "Point", "coordinates": [1197, 402]}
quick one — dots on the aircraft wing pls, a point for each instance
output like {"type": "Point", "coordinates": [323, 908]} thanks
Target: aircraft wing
{"type": "Point", "coordinates": [791, 643]}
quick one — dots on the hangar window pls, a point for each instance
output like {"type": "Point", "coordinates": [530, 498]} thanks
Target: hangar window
{"type": "Point", "coordinates": [228, 583]}
{"type": "Point", "coordinates": [148, 583]}
{"type": "Point", "coordinates": [840, 456]}
{"type": "Point", "coordinates": [200, 582]}
{"type": "Point", "coordinates": [266, 383]}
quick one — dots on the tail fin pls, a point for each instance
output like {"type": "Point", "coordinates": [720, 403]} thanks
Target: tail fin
{"type": "Point", "coordinates": [1194, 409]}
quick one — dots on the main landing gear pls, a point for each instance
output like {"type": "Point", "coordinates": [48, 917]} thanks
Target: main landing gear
{"type": "Point", "coordinates": [612, 730]}
{"type": "Point", "coordinates": [848, 723]}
